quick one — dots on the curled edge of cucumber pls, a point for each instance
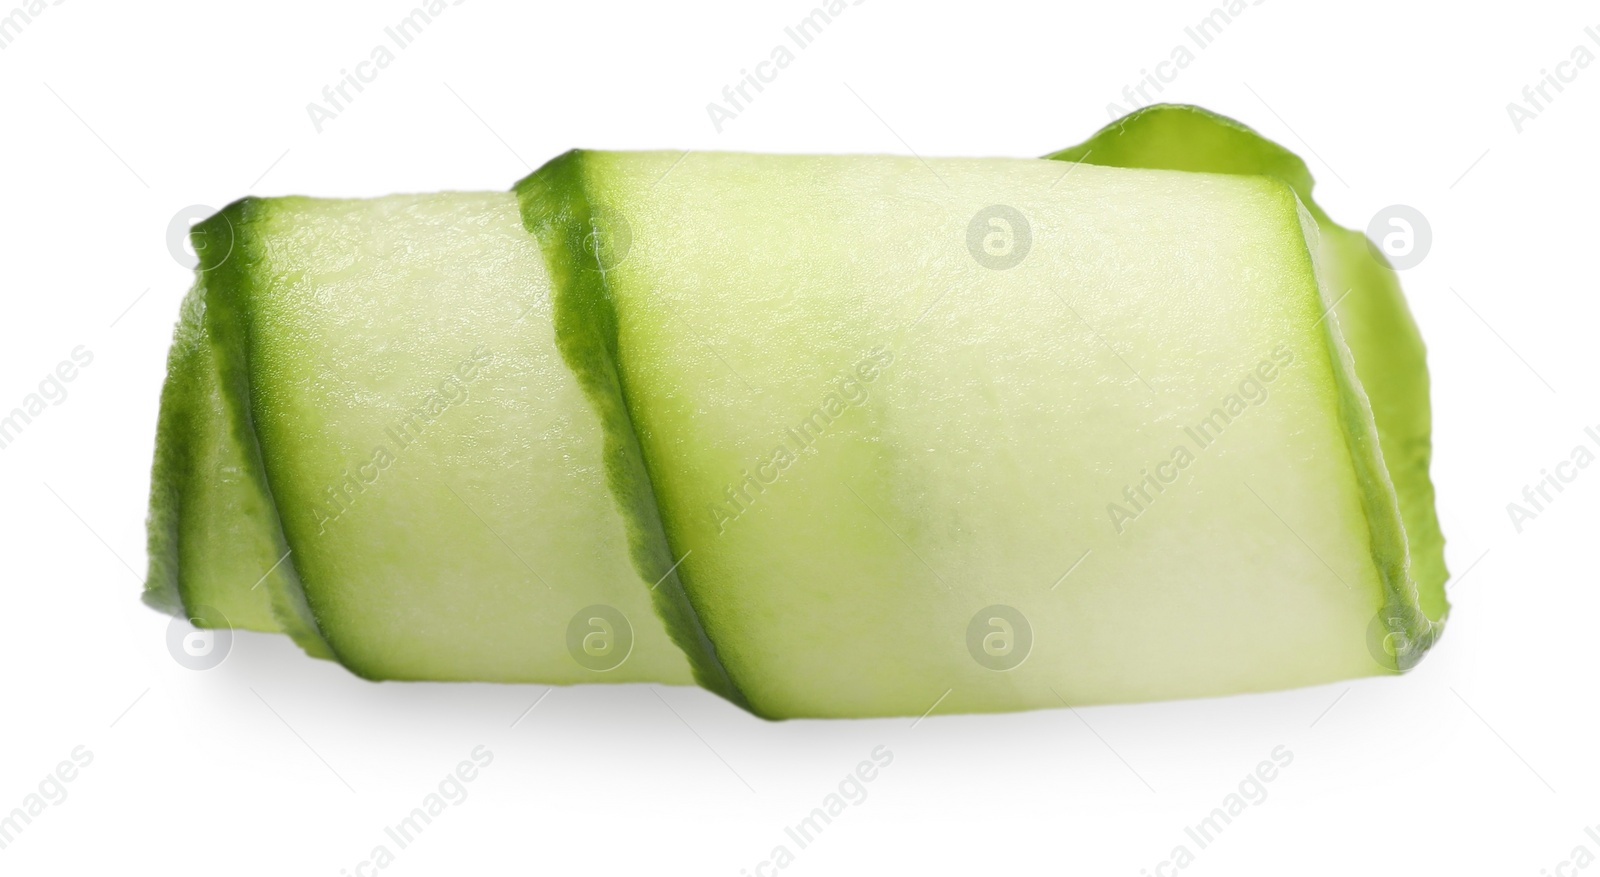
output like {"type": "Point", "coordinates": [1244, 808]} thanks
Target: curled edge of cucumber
{"type": "Point", "coordinates": [214, 522]}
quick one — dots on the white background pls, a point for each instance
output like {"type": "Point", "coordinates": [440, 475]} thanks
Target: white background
{"type": "Point", "coordinates": [117, 115]}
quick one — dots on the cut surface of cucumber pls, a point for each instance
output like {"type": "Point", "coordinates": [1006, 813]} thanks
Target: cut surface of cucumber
{"type": "Point", "coordinates": [435, 465]}
{"type": "Point", "coordinates": [979, 433]}
{"type": "Point", "coordinates": [1387, 348]}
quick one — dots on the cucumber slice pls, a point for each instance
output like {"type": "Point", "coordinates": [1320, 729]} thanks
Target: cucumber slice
{"type": "Point", "coordinates": [887, 409]}
{"type": "Point", "coordinates": [217, 553]}
{"type": "Point", "coordinates": [435, 465]}
{"type": "Point", "coordinates": [1390, 358]}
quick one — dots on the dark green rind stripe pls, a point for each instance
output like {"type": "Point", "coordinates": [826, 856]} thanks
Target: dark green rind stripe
{"type": "Point", "coordinates": [1390, 361]}
{"type": "Point", "coordinates": [226, 256]}
{"type": "Point", "coordinates": [556, 211]}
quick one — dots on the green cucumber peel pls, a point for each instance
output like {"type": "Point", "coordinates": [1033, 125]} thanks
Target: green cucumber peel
{"type": "Point", "coordinates": [223, 269]}
{"type": "Point", "coordinates": [556, 211]}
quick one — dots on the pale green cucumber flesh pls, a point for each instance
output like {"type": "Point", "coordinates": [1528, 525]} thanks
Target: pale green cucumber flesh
{"type": "Point", "coordinates": [435, 464]}
{"type": "Point", "coordinates": [837, 535]}
{"type": "Point", "coordinates": [1387, 348]}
